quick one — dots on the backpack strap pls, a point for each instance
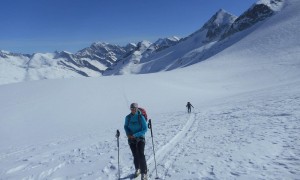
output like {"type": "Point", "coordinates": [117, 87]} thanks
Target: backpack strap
{"type": "Point", "coordinates": [139, 118]}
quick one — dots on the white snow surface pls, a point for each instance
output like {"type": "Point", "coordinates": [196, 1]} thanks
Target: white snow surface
{"type": "Point", "coordinates": [245, 124]}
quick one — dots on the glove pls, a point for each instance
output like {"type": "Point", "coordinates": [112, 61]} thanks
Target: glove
{"type": "Point", "coordinates": [130, 137]}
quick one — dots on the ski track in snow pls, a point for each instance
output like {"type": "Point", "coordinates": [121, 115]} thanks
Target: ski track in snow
{"type": "Point", "coordinates": [242, 138]}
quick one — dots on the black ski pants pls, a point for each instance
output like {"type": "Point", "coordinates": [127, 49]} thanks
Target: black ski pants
{"type": "Point", "coordinates": [137, 147]}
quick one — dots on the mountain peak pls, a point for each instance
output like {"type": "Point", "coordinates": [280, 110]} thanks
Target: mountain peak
{"type": "Point", "coordinates": [4, 52]}
{"type": "Point", "coordinates": [163, 43]}
{"type": "Point", "coordinates": [218, 24]}
{"type": "Point", "coordinates": [143, 45]}
{"type": "Point", "coordinates": [131, 44]}
{"type": "Point", "coordinates": [221, 17]}
{"type": "Point", "coordinates": [222, 12]}
{"type": "Point", "coordinates": [99, 44]}
{"type": "Point", "coordinates": [62, 52]}
{"type": "Point", "coordinates": [174, 38]}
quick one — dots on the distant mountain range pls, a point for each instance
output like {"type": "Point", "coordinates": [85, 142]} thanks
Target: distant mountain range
{"type": "Point", "coordinates": [219, 32]}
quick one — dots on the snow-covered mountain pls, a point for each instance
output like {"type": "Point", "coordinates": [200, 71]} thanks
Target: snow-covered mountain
{"type": "Point", "coordinates": [210, 32]}
{"type": "Point", "coordinates": [220, 32]}
{"type": "Point", "coordinates": [144, 49]}
{"type": "Point", "coordinates": [20, 67]}
{"type": "Point", "coordinates": [105, 53]}
{"type": "Point", "coordinates": [88, 62]}
{"type": "Point", "coordinates": [258, 12]}
{"type": "Point", "coordinates": [161, 44]}
{"type": "Point", "coordinates": [217, 25]}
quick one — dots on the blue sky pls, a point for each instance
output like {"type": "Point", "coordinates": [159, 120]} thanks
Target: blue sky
{"type": "Point", "coordinates": [29, 26]}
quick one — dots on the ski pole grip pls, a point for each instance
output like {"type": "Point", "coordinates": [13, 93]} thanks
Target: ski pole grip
{"type": "Point", "coordinates": [118, 134]}
{"type": "Point", "coordinates": [150, 124]}
{"type": "Point", "coordinates": [150, 127]}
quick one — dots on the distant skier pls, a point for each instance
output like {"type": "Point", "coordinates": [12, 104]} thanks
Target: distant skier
{"type": "Point", "coordinates": [136, 127]}
{"type": "Point", "coordinates": [189, 107]}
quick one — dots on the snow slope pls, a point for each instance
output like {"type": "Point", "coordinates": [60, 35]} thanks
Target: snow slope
{"type": "Point", "coordinates": [245, 124]}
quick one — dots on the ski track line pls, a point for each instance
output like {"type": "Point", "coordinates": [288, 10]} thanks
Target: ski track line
{"type": "Point", "coordinates": [21, 151]}
{"type": "Point", "coordinates": [48, 173]}
{"type": "Point", "coordinates": [178, 150]}
{"type": "Point", "coordinates": [170, 146]}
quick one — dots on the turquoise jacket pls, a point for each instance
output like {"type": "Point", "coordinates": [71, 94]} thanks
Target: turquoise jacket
{"type": "Point", "coordinates": [137, 128]}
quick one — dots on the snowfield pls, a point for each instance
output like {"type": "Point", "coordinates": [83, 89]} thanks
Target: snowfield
{"type": "Point", "coordinates": [245, 124]}
{"type": "Point", "coordinates": [252, 135]}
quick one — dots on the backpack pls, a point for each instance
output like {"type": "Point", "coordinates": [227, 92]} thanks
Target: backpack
{"type": "Point", "coordinates": [144, 113]}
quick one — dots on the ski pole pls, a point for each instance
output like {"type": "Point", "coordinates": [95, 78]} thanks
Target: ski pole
{"type": "Point", "coordinates": [117, 136]}
{"type": "Point", "coordinates": [150, 127]}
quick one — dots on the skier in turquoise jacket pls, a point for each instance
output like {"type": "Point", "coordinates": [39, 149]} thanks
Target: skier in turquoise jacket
{"type": "Point", "coordinates": [136, 127]}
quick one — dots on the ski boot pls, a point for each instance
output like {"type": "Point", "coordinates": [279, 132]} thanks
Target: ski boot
{"type": "Point", "coordinates": [137, 173]}
{"type": "Point", "coordinates": [144, 177]}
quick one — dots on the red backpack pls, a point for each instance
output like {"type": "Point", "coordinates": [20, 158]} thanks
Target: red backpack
{"type": "Point", "coordinates": [144, 113]}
